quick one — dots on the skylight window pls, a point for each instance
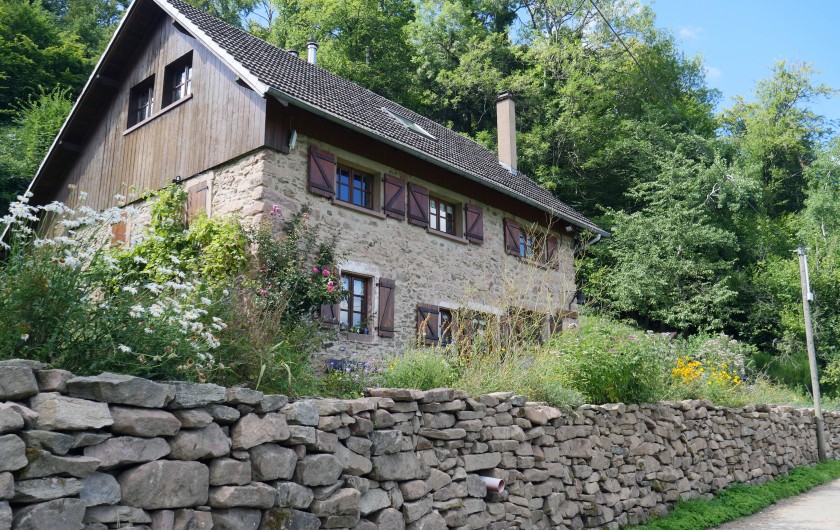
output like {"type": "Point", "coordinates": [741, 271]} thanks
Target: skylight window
{"type": "Point", "coordinates": [410, 125]}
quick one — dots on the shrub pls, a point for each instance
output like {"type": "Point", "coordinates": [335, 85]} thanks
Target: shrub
{"type": "Point", "coordinates": [609, 362]}
{"type": "Point", "coordinates": [421, 369]}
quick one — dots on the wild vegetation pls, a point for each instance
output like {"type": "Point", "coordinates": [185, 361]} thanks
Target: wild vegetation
{"type": "Point", "coordinates": [704, 206]}
{"type": "Point", "coordinates": [744, 499]}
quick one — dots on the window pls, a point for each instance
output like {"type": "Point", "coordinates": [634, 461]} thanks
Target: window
{"type": "Point", "coordinates": [177, 80]}
{"type": "Point", "coordinates": [353, 310]}
{"type": "Point", "coordinates": [531, 246]}
{"type": "Point", "coordinates": [354, 187]}
{"type": "Point", "coordinates": [446, 327]}
{"type": "Point", "coordinates": [408, 124]}
{"type": "Point", "coordinates": [441, 216]}
{"type": "Point", "coordinates": [141, 101]}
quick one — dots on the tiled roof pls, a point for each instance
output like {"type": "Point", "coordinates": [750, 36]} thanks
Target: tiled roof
{"type": "Point", "coordinates": [362, 109]}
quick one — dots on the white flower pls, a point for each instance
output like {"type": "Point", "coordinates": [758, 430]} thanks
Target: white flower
{"type": "Point", "coordinates": [123, 348]}
{"type": "Point", "coordinates": [174, 259]}
{"type": "Point", "coordinates": [24, 337]}
{"type": "Point", "coordinates": [153, 287]}
{"type": "Point", "coordinates": [130, 289]}
{"type": "Point", "coordinates": [136, 311]}
{"type": "Point", "coordinates": [83, 197]}
{"type": "Point", "coordinates": [149, 330]}
{"type": "Point", "coordinates": [156, 310]}
{"type": "Point", "coordinates": [206, 301]}
{"type": "Point", "coordinates": [139, 259]}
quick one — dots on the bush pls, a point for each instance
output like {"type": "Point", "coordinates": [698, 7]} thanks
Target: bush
{"type": "Point", "coordinates": [421, 369]}
{"type": "Point", "coordinates": [608, 362]}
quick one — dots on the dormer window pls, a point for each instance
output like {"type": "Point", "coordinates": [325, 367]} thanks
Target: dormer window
{"type": "Point", "coordinates": [410, 125]}
{"type": "Point", "coordinates": [177, 80]}
{"type": "Point", "coordinates": [141, 101]}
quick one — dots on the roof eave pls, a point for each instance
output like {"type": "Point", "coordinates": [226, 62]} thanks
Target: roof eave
{"type": "Point", "coordinates": [284, 97]}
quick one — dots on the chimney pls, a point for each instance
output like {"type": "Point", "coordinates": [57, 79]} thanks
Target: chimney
{"type": "Point", "coordinates": [311, 48]}
{"type": "Point", "coordinates": [294, 53]}
{"type": "Point", "coordinates": [506, 129]}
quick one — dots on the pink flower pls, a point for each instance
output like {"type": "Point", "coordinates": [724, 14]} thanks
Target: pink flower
{"type": "Point", "coordinates": [275, 210]}
{"type": "Point", "coordinates": [330, 287]}
{"type": "Point", "coordinates": [315, 270]}
{"type": "Point", "coordinates": [263, 292]}
{"type": "Point", "coordinates": [326, 272]}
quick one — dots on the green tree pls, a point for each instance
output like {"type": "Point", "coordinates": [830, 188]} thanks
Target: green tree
{"type": "Point", "coordinates": [24, 142]}
{"type": "Point", "coordinates": [35, 52]}
{"type": "Point", "coordinates": [361, 40]}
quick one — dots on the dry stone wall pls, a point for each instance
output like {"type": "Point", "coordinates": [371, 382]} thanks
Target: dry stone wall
{"type": "Point", "coordinates": [114, 451]}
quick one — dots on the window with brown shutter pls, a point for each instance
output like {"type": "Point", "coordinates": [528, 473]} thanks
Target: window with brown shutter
{"type": "Point", "coordinates": [512, 237]}
{"type": "Point", "coordinates": [394, 204]}
{"type": "Point", "coordinates": [475, 223]}
{"type": "Point", "coordinates": [418, 205]}
{"type": "Point", "coordinates": [427, 323]}
{"type": "Point", "coordinates": [551, 257]}
{"type": "Point", "coordinates": [322, 171]}
{"type": "Point", "coordinates": [385, 324]}
{"type": "Point", "coordinates": [197, 198]}
{"type": "Point", "coordinates": [118, 234]}
{"type": "Point", "coordinates": [329, 315]}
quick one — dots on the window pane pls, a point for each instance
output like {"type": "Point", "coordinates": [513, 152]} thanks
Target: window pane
{"type": "Point", "coordinates": [358, 286]}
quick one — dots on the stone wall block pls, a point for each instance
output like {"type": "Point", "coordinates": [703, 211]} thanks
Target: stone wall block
{"type": "Point", "coordinates": [58, 514]}
{"type": "Point", "coordinates": [17, 382]}
{"type": "Point", "coordinates": [43, 464]}
{"type": "Point", "coordinates": [200, 444]}
{"type": "Point", "coordinates": [124, 450]}
{"type": "Point", "coordinates": [60, 413]}
{"type": "Point", "coordinates": [273, 462]}
{"type": "Point", "coordinates": [253, 430]}
{"type": "Point", "coordinates": [192, 395]}
{"type": "Point", "coordinates": [146, 423]}
{"type": "Point", "coordinates": [165, 484]}
{"type": "Point", "coordinates": [121, 389]}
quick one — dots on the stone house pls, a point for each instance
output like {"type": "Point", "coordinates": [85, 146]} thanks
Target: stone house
{"type": "Point", "coordinates": [436, 232]}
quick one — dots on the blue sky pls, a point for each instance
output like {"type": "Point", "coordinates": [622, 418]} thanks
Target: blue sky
{"type": "Point", "coordinates": [740, 40]}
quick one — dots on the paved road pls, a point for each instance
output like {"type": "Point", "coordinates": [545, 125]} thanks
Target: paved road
{"type": "Point", "coordinates": [819, 509]}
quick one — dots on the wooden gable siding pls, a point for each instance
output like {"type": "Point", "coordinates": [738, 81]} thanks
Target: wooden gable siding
{"type": "Point", "coordinates": [220, 121]}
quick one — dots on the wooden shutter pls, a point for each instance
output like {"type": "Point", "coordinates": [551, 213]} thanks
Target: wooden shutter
{"type": "Point", "coordinates": [428, 323]}
{"type": "Point", "coordinates": [321, 172]}
{"type": "Point", "coordinates": [329, 314]}
{"type": "Point", "coordinates": [418, 205]}
{"type": "Point", "coordinates": [551, 251]}
{"type": "Point", "coordinates": [475, 223]}
{"type": "Point", "coordinates": [394, 197]}
{"type": "Point", "coordinates": [197, 199]}
{"type": "Point", "coordinates": [118, 234]}
{"type": "Point", "coordinates": [512, 237]}
{"type": "Point", "coordinates": [386, 308]}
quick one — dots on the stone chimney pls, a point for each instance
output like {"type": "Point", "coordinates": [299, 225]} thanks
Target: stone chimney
{"type": "Point", "coordinates": [506, 126]}
{"type": "Point", "coordinates": [311, 49]}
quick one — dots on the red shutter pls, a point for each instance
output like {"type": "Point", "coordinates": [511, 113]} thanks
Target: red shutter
{"type": "Point", "coordinates": [197, 199]}
{"type": "Point", "coordinates": [427, 323]}
{"type": "Point", "coordinates": [512, 237]}
{"type": "Point", "coordinates": [386, 307]}
{"type": "Point", "coordinates": [329, 315]}
{"type": "Point", "coordinates": [394, 197]}
{"type": "Point", "coordinates": [551, 252]}
{"type": "Point", "coordinates": [418, 205]}
{"type": "Point", "coordinates": [321, 172]}
{"type": "Point", "coordinates": [475, 223]}
{"type": "Point", "coordinates": [118, 234]}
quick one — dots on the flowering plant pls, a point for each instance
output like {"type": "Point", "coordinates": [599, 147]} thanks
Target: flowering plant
{"type": "Point", "coordinates": [67, 293]}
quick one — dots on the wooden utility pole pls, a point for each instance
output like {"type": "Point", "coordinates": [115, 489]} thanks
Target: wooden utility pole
{"type": "Point", "coordinates": [807, 296]}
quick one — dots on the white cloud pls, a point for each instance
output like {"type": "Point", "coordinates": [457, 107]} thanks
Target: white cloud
{"type": "Point", "coordinates": [690, 33]}
{"type": "Point", "coordinates": [713, 72]}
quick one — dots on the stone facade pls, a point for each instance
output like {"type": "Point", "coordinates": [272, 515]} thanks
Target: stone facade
{"type": "Point", "coordinates": [121, 452]}
{"type": "Point", "coordinates": [428, 268]}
